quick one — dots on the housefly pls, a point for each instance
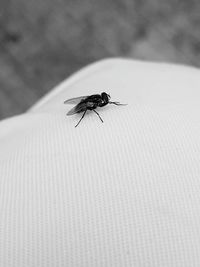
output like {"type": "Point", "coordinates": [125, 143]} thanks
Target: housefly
{"type": "Point", "coordinates": [84, 103]}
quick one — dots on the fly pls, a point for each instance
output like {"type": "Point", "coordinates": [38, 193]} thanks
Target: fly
{"type": "Point", "coordinates": [84, 103]}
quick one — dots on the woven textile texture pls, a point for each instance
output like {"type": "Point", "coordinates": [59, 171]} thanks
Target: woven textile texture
{"type": "Point", "coordinates": [121, 193]}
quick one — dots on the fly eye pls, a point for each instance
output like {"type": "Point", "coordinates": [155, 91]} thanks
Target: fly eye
{"type": "Point", "coordinates": [108, 97]}
{"type": "Point", "coordinates": [104, 96]}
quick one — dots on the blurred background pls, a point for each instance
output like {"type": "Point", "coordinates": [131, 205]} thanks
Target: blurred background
{"type": "Point", "coordinates": [43, 42]}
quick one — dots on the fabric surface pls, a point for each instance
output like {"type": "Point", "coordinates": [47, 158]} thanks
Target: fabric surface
{"type": "Point", "coordinates": [125, 192]}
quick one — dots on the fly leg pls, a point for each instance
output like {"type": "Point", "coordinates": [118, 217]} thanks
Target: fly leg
{"type": "Point", "coordinates": [98, 115]}
{"type": "Point", "coordinates": [81, 118]}
{"type": "Point", "coordinates": [117, 104]}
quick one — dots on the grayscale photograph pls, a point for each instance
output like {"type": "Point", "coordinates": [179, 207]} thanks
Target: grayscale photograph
{"type": "Point", "coordinates": [99, 133]}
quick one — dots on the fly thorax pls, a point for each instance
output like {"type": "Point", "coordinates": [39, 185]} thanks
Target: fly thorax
{"type": "Point", "coordinates": [90, 104]}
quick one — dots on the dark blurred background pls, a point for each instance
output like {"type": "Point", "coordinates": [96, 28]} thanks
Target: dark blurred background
{"type": "Point", "coordinates": [43, 42]}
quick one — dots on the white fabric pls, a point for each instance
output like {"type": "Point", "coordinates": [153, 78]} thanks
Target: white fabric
{"type": "Point", "coordinates": [125, 192]}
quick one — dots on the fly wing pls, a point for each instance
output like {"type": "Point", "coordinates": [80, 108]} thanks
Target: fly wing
{"type": "Point", "coordinates": [75, 100]}
{"type": "Point", "coordinates": [78, 108]}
